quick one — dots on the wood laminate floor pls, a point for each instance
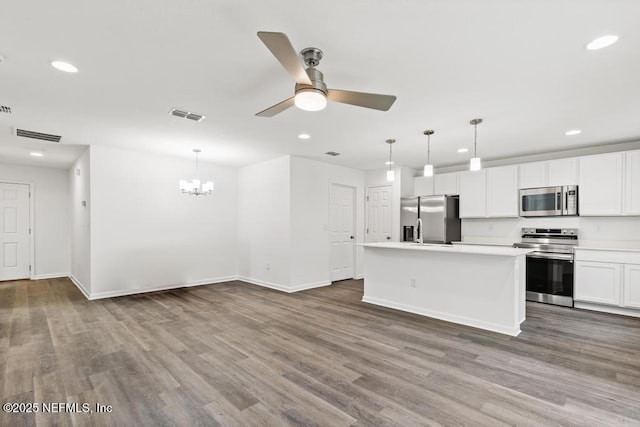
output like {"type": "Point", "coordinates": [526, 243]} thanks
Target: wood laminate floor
{"type": "Point", "coordinates": [240, 355]}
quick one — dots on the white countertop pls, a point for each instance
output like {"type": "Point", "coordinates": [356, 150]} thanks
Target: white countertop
{"type": "Point", "coordinates": [457, 249]}
{"type": "Point", "coordinates": [606, 245]}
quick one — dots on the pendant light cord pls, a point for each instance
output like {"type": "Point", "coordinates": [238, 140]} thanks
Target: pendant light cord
{"type": "Point", "coordinates": [390, 156]}
{"type": "Point", "coordinates": [475, 140]}
{"type": "Point", "coordinates": [428, 149]}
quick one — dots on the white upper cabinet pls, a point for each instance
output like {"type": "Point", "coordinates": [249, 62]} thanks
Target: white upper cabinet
{"type": "Point", "coordinates": [502, 192]}
{"type": "Point", "coordinates": [632, 183]}
{"type": "Point", "coordinates": [533, 175]}
{"type": "Point", "coordinates": [423, 186]}
{"type": "Point", "coordinates": [446, 183]}
{"type": "Point", "coordinates": [473, 194]}
{"type": "Point", "coordinates": [562, 172]}
{"type": "Point", "coordinates": [600, 192]}
{"type": "Point", "coordinates": [549, 174]}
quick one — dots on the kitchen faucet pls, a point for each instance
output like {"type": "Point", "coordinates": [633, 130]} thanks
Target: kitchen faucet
{"type": "Point", "coordinates": [419, 227]}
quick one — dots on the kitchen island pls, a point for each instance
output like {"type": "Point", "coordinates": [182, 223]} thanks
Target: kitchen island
{"type": "Point", "coordinates": [479, 286]}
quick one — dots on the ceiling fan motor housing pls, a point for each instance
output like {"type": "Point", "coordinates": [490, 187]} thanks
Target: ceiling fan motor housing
{"type": "Point", "coordinates": [317, 82]}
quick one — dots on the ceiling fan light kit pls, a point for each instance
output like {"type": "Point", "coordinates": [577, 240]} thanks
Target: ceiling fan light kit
{"type": "Point", "coordinates": [311, 93]}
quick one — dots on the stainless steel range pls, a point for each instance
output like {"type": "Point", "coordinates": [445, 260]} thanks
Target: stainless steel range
{"type": "Point", "coordinates": [550, 266]}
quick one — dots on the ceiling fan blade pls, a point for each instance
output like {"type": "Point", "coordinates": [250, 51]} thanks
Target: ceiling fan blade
{"type": "Point", "coordinates": [278, 108]}
{"type": "Point", "coordinates": [280, 46]}
{"type": "Point", "coordinates": [362, 99]}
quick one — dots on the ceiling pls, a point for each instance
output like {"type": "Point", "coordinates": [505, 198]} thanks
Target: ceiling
{"type": "Point", "coordinates": [520, 65]}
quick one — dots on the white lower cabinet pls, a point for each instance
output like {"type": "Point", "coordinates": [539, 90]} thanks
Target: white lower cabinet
{"type": "Point", "coordinates": [607, 279]}
{"type": "Point", "coordinates": [598, 282]}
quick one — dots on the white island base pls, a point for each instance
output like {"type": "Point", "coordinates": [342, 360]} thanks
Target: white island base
{"type": "Point", "coordinates": [477, 286]}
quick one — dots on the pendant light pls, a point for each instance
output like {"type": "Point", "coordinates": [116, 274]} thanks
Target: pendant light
{"type": "Point", "coordinates": [428, 168]}
{"type": "Point", "coordinates": [474, 164]}
{"type": "Point", "coordinates": [390, 173]}
{"type": "Point", "coordinates": [195, 187]}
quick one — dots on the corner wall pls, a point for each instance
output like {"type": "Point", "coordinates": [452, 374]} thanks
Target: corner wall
{"type": "Point", "coordinates": [146, 235]}
{"type": "Point", "coordinates": [80, 185]}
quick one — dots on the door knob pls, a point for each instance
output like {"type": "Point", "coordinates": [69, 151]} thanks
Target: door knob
{"type": "Point", "coordinates": [388, 237]}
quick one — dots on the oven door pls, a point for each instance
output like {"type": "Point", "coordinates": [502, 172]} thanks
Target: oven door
{"type": "Point", "coordinates": [545, 201]}
{"type": "Point", "coordinates": [550, 278]}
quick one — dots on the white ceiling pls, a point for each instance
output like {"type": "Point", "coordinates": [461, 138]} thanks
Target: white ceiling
{"type": "Point", "coordinates": [520, 65]}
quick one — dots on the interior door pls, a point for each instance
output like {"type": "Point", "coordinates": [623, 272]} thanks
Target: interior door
{"type": "Point", "coordinates": [14, 231]}
{"type": "Point", "coordinates": [379, 214]}
{"type": "Point", "coordinates": [342, 232]}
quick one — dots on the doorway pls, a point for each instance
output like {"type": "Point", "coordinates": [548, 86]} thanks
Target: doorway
{"type": "Point", "coordinates": [15, 231]}
{"type": "Point", "coordinates": [342, 235]}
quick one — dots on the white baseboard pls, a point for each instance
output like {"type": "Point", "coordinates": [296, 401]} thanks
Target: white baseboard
{"type": "Point", "coordinates": [607, 309]}
{"type": "Point", "coordinates": [80, 286]}
{"type": "Point", "coordinates": [50, 276]}
{"type": "Point", "coordinates": [281, 288]}
{"type": "Point", "coordinates": [124, 292]}
{"type": "Point", "coordinates": [514, 332]}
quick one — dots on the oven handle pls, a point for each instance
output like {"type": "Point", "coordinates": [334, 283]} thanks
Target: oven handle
{"type": "Point", "coordinates": [561, 257]}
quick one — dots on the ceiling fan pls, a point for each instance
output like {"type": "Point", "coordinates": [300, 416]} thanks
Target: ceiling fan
{"type": "Point", "coordinates": [311, 92]}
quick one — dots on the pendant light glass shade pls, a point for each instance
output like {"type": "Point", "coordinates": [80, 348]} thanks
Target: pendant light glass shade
{"type": "Point", "coordinates": [428, 168]}
{"type": "Point", "coordinates": [391, 175]}
{"type": "Point", "coordinates": [474, 163]}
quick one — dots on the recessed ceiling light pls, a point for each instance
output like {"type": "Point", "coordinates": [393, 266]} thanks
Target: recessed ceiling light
{"type": "Point", "coordinates": [36, 154]}
{"type": "Point", "coordinates": [64, 66]}
{"type": "Point", "coordinates": [388, 163]}
{"type": "Point", "coordinates": [304, 136]}
{"type": "Point", "coordinates": [573, 132]}
{"type": "Point", "coordinates": [462, 150]}
{"type": "Point", "coordinates": [601, 42]}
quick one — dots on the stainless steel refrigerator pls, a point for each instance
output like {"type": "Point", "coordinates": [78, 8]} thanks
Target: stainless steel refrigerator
{"type": "Point", "coordinates": [440, 217]}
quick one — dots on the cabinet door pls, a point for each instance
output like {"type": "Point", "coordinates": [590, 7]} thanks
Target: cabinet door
{"type": "Point", "coordinates": [600, 192]}
{"type": "Point", "coordinates": [502, 192]}
{"type": "Point", "coordinates": [631, 286]}
{"type": "Point", "coordinates": [598, 282]}
{"type": "Point", "coordinates": [473, 194]}
{"type": "Point", "coordinates": [533, 175]}
{"type": "Point", "coordinates": [446, 183]}
{"type": "Point", "coordinates": [632, 183]}
{"type": "Point", "coordinates": [423, 186]}
{"type": "Point", "coordinates": [562, 172]}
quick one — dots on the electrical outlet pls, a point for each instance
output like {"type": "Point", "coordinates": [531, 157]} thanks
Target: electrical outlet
{"type": "Point", "coordinates": [413, 283]}
{"type": "Point", "coordinates": [596, 228]}
{"type": "Point", "coordinates": [268, 267]}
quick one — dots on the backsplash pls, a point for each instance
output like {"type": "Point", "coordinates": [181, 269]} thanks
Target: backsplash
{"type": "Point", "coordinates": [591, 228]}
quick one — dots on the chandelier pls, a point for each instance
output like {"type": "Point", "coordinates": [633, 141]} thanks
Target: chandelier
{"type": "Point", "coordinates": [195, 187]}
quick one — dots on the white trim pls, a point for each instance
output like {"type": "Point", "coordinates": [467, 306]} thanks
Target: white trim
{"type": "Point", "coordinates": [514, 332]}
{"type": "Point", "coordinates": [124, 292]}
{"type": "Point", "coordinates": [80, 286]}
{"type": "Point", "coordinates": [359, 276]}
{"type": "Point", "coordinates": [50, 276]}
{"type": "Point", "coordinates": [607, 309]}
{"type": "Point", "coordinates": [286, 289]}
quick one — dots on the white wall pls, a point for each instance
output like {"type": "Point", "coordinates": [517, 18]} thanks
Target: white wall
{"type": "Point", "coordinates": [147, 235]}
{"type": "Point", "coordinates": [50, 192]}
{"type": "Point", "coordinates": [310, 219]}
{"type": "Point", "coordinates": [79, 183]}
{"type": "Point", "coordinates": [264, 215]}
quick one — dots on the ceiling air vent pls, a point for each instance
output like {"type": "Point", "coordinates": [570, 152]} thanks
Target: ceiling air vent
{"type": "Point", "coordinates": [332, 153]}
{"type": "Point", "coordinates": [5, 109]}
{"type": "Point", "coordinates": [38, 135]}
{"type": "Point", "coordinates": [187, 115]}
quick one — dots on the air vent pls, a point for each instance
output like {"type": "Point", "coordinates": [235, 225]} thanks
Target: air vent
{"type": "Point", "coordinates": [5, 109]}
{"type": "Point", "coordinates": [38, 135]}
{"type": "Point", "coordinates": [332, 153]}
{"type": "Point", "coordinates": [187, 115]}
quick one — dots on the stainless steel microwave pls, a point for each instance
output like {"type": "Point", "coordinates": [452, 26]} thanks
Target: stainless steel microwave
{"type": "Point", "coordinates": [549, 201]}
